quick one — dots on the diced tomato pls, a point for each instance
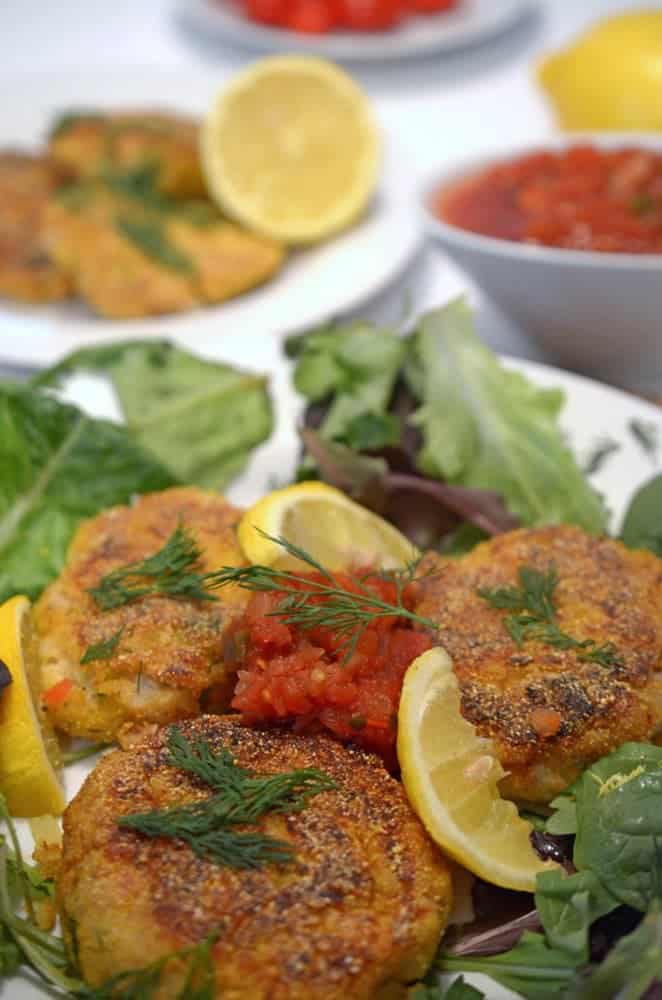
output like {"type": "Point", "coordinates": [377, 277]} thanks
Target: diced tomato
{"type": "Point", "coordinates": [313, 17]}
{"type": "Point", "coordinates": [267, 11]}
{"type": "Point", "coordinates": [58, 693]}
{"type": "Point", "coordinates": [307, 676]}
{"type": "Point", "coordinates": [581, 199]}
{"type": "Point", "coordinates": [370, 15]}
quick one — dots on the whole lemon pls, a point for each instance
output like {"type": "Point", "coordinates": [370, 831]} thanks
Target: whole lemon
{"type": "Point", "coordinates": [611, 77]}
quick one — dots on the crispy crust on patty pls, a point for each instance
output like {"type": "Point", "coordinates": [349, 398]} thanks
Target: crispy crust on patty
{"type": "Point", "coordinates": [171, 651]}
{"type": "Point", "coordinates": [549, 713]}
{"type": "Point", "coordinates": [28, 272]}
{"type": "Point", "coordinates": [357, 914]}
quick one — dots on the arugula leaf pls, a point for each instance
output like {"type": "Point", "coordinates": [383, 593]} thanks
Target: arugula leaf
{"type": "Point", "coordinates": [642, 525]}
{"type": "Point", "coordinates": [484, 426]}
{"type": "Point", "coordinates": [619, 822]}
{"type": "Point", "coordinates": [568, 905]}
{"type": "Point", "coordinates": [531, 968]}
{"type": "Point", "coordinates": [631, 967]}
{"type": "Point", "coordinates": [58, 467]}
{"type": "Point", "coordinates": [201, 419]}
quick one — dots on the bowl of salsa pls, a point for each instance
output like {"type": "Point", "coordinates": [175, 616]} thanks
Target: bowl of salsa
{"type": "Point", "coordinates": [567, 240]}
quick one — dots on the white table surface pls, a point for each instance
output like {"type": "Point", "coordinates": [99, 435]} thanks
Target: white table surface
{"type": "Point", "coordinates": [449, 107]}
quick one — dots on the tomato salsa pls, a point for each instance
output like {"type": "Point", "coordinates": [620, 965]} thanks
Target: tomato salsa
{"type": "Point", "coordinates": [580, 199]}
{"type": "Point", "coordinates": [314, 679]}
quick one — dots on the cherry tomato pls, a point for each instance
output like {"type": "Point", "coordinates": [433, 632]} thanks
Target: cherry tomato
{"type": "Point", "coordinates": [267, 11]}
{"type": "Point", "coordinates": [370, 15]}
{"type": "Point", "coordinates": [430, 6]}
{"type": "Point", "coordinates": [314, 17]}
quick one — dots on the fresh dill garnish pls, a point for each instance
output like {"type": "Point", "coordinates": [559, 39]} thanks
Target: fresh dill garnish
{"type": "Point", "coordinates": [305, 603]}
{"type": "Point", "coordinates": [144, 984]}
{"type": "Point", "coordinates": [102, 650]}
{"type": "Point", "coordinates": [150, 236]}
{"type": "Point", "coordinates": [240, 798]}
{"type": "Point", "coordinates": [170, 572]}
{"type": "Point", "coordinates": [309, 604]}
{"type": "Point", "coordinates": [602, 451]}
{"type": "Point", "coordinates": [647, 435]}
{"type": "Point", "coordinates": [73, 756]}
{"type": "Point", "coordinates": [533, 616]}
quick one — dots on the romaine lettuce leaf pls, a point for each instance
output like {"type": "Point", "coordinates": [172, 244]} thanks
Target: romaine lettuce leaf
{"type": "Point", "coordinates": [200, 418]}
{"type": "Point", "coordinates": [489, 428]}
{"type": "Point", "coordinates": [58, 466]}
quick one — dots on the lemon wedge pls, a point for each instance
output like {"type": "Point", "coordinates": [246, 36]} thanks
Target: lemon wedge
{"type": "Point", "coordinates": [451, 778]}
{"type": "Point", "coordinates": [610, 77]}
{"type": "Point", "coordinates": [28, 747]}
{"type": "Point", "coordinates": [333, 529]}
{"type": "Point", "coordinates": [291, 149]}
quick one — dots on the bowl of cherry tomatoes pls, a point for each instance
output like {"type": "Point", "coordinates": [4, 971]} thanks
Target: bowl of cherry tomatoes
{"type": "Point", "coordinates": [318, 17]}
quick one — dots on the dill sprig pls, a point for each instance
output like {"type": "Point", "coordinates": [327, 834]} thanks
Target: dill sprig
{"type": "Point", "coordinates": [647, 435]}
{"type": "Point", "coordinates": [169, 572]}
{"type": "Point", "coordinates": [103, 650]}
{"type": "Point", "coordinates": [240, 799]}
{"type": "Point", "coordinates": [144, 984]}
{"type": "Point", "coordinates": [602, 451]}
{"type": "Point", "coordinates": [309, 604]}
{"type": "Point", "coordinates": [305, 603]}
{"type": "Point", "coordinates": [533, 616]}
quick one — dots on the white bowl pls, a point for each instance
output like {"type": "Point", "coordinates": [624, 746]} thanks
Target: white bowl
{"type": "Point", "coordinates": [598, 313]}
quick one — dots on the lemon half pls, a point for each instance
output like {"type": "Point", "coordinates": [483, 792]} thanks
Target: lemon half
{"type": "Point", "coordinates": [451, 778]}
{"type": "Point", "coordinates": [334, 530]}
{"type": "Point", "coordinates": [291, 149]}
{"type": "Point", "coordinates": [28, 747]}
{"type": "Point", "coordinates": [610, 77]}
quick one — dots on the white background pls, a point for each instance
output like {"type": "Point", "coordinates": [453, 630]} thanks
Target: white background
{"type": "Point", "coordinates": [441, 109]}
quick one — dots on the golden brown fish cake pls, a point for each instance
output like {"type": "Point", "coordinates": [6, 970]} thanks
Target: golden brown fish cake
{"type": "Point", "coordinates": [358, 913]}
{"type": "Point", "coordinates": [170, 651]}
{"type": "Point", "coordinates": [27, 271]}
{"type": "Point", "coordinates": [549, 713]}
{"type": "Point", "coordinates": [128, 260]}
{"type": "Point", "coordinates": [90, 142]}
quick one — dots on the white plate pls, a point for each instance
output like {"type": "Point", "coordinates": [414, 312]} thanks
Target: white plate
{"type": "Point", "coordinates": [472, 22]}
{"type": "Point", "coordinates": [314, 286]}
{"type": "Point", "coordinates": [591, 411]}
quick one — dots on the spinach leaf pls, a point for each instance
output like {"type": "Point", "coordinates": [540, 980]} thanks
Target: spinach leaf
{"type": "Point", "coordinates": [484, 426]}
{"type": "Point", "coordinates": [201, 419]}
{"type": "Point", "coordinates": [642, 526]}
{"type": "Point", "coordinates": [619, 822]}
{"type": "Point", "coordinates": [631, 967]}
{"type": "Point", "coordinates": [57, 467]}
{"type": "Point", "coordinates": [568, 905]}
{"type": "Point", "coordinates": [564, 819]}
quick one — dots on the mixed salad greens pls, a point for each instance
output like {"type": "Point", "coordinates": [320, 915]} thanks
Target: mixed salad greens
{"type": "Point", "coordinates": [433, 432]}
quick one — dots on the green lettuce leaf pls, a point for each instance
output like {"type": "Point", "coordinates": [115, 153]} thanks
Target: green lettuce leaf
{"type": "Point", "coordinates": [201, 419]}
{"type": "Point", "coordinates": [358, 365]}
{"type": "Point", "coordinates": [568, 905]}
{"type": "Point", "coordinates": [642, 525]}
{"type": "Point", "coordinates": [631, 967]}
{"type": "Point", "coordinates": [619, 822]}
{"type": "Point", "coordinates": [484, 426]}
{"type": "Point", "coordinates": [57, 467]}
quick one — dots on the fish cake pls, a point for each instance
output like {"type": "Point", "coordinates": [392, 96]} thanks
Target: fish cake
{"type": "Point", "coordinates": [549, 712]}
{"type": "Point", "coordinates": [28, 272]}
{"type": "Point", "coordinates": [89, 142]}
{"type": "Point", "coordinates": [170, 652]}
{"type": "Point", "coordinates": [358, 913]}
{"type": "Point", "coordinates": [129, 260]}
